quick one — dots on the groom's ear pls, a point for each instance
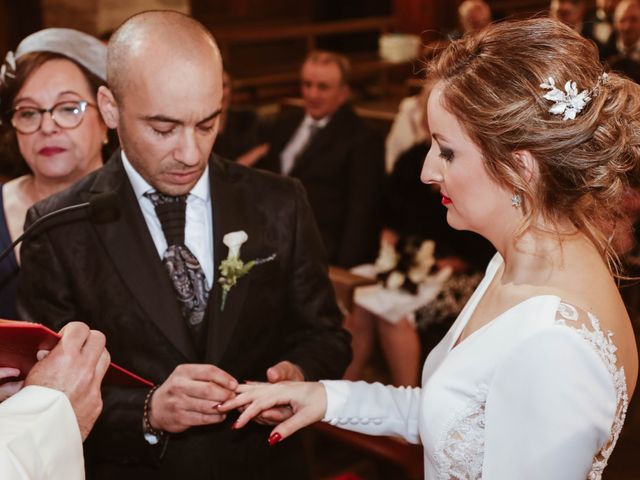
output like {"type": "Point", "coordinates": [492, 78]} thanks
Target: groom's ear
{"type": "Point", "coordinates": [108, 107]}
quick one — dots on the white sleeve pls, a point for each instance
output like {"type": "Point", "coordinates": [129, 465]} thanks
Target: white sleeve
{"type": "Point", "coordinates": [402, 132]}
{"type": "Point", "coordinates": [373, 408]}
{"type": "Point", "coordinates": [39, 437]}
{"type": "Point", "coordinates": [550, 409]}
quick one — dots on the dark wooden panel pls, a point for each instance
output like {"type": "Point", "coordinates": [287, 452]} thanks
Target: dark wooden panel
{"type": "Point", "coordinates": [17, 20]}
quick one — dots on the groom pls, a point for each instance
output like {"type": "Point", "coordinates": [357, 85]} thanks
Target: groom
{"type": "Point", "coordinates": [150, 279]}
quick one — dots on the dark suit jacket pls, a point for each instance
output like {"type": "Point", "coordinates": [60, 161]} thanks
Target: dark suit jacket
{"type": "Point", "coordinates": [110, 276]}
{"type": "Point", "coordinates": [343, 172]}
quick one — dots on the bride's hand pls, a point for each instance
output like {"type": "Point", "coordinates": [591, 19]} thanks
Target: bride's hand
{"type": "Point", "coordinates": [307, 400]}
{"type": "Point", "coordinates": [9, 388]}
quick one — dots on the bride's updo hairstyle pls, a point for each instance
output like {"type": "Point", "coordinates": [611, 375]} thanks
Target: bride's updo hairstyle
{"type": "Point", "coordinates": [491, 82]}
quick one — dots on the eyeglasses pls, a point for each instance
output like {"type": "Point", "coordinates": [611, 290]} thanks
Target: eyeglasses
{"type": "Point", "coordinates": [65, 115]}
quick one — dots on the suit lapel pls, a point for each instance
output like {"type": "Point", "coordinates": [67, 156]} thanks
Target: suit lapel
{"type": "Point", "coordinates": [231, 212]}
{"type": "Point", "coordinates": [130, 247]}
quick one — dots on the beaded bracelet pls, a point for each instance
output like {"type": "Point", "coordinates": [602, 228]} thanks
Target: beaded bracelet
{"type": "Point", "coordinates": [151, 435]}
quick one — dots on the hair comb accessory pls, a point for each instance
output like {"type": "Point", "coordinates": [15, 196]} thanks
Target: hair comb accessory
{"type": "Point", "coordinates": [8, 68]}
{"type": "Point", "coordinates": [568, 103]}
{"type": "Point", "coordinates": [602, 80]}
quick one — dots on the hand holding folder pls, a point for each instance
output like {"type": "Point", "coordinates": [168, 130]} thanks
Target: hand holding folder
{"type": "Point", "coordinates": [20, 342]}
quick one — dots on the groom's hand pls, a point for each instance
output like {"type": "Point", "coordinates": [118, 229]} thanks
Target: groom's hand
{"type": "Point", "coordinates": [283, 371]}
{"type": "Point", "coordinates": [189, 397]}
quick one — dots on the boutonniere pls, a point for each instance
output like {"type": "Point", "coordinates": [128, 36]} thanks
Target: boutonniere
{"type": "Point", "coordinates": [233, 268]}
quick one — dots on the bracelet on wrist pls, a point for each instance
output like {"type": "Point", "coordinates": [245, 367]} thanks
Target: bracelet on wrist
{"type": "Point", "coordinates": [151, 435]}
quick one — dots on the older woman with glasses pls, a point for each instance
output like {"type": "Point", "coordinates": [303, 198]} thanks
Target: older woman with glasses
{"type": "Point", "coordinates": [51, 122]}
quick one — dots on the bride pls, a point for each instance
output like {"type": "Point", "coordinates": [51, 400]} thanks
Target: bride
{"type": "Point", "coordinates": [533, 148]}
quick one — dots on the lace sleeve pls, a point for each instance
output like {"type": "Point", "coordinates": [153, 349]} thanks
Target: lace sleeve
{"type": "Point", "coordinates": [550, 409]}
{"type": "Point", "coordinates": [373, 408]}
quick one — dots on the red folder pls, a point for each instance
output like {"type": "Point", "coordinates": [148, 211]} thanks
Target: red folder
{"type": "Point", "coordinates": [20, 341]}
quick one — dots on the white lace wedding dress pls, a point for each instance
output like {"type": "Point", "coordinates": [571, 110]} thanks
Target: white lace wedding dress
{"type": "Point", "coordinates": [535, 394]}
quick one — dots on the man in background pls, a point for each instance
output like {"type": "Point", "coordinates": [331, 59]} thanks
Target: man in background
{"type": "Point", "coordinates": [473, 15]}
{"type": "Point", "coordinates": [598, 26]}
{"type": "Point", "coordinates": [569, 12]}
{"type": "Point", "coordinates": [336, 156]}
{"type": "Point", "coordinates": [625, 57]}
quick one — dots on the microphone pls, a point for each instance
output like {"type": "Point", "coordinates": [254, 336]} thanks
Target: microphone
{"type": "Point", "coordinates": [102, 208]}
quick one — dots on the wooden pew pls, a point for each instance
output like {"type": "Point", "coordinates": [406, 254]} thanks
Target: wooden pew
{"type": "Point", "coordinates": [255, 74]}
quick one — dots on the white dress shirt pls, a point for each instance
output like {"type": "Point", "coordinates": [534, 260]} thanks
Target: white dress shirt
{"type": "Point", "coordinates": [198, 232]}
{"type": "Point", "coordinates": [299, 141]}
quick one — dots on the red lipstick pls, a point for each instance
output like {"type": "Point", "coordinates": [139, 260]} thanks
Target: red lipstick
{"type": "Point", "coordinates": [51, 151]}
{"type": "Point", "coordinates": [446, 200]}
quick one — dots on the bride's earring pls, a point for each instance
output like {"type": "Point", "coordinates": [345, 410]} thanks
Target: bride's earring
{"type": "Point", "coordinates": [516, 200]}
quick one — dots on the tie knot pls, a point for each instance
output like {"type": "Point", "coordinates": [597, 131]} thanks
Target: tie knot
{"type": "Point", "coordinates": [313, 128]}
{"type": "Point", "coordinates": [171, 212]}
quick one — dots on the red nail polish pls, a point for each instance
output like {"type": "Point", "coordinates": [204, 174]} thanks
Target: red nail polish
{"type": "Point", "coordinates": [274, 438]}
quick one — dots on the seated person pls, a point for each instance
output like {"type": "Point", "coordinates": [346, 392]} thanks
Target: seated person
{"type": "Point", "coordinates": [56, 70]}
{"type": "Point", "coordinates": [473, 15]}
{"type": "Point", "coordinates": [239, 132]}
{"type": "Point", "coordinates": [625, 57]}
{"type": "Point", "coordinates": [336, 156]}
{"type": "Point", "coordinates": [569, 12]}
{"type": "Point", "coordinates": [598, 26]}
{"type": "Point", "coordinates": [412, 208]}
{"type": "Point", "coordinates": [407, 128]}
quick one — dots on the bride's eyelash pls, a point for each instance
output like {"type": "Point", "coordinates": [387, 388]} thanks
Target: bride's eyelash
{"type": "Point", "coordinates": [446, 153]}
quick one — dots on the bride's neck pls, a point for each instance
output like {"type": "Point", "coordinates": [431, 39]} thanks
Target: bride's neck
{"type": "Point", "coordinates": [539, 254]}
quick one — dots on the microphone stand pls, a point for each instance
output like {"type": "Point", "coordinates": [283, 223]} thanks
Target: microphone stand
{"type": "Point", "coordinates": [39, 222]}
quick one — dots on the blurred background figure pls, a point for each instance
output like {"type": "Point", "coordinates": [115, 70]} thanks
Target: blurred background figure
{"type": "Point", "coordinates": [598, 26]}
{"type": "Point", "coordinates": [569, 12]}
{"type": "Point", "coordinates": [626, 56]}
{"type": "Point", "coordinates": [239, 134]}
{"type": "Point", "coordinates": [52, 125]}
{"type": "Point", "coordinates": [408, 128]}
{"type": "Point", "coordinates": [412, 211]}
{"type": "Point", "coordinates": [338, 158]}
{"type": "Point", "coordinates": [473, 15]}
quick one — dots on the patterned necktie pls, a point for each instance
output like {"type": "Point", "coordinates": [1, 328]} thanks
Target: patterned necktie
{"type": "Point", "coordinates": [185, 272]}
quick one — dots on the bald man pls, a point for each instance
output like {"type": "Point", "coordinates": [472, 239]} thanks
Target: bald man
{"type": "Point", "coordinates": [151, 279]}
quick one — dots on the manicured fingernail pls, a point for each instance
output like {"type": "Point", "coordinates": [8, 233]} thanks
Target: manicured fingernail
{"type": "Point", "coordinates": [216, 407]}
{"type": "Point", "coordinates": [234, 426]}
{"type": "Point", "coordinates": [274, 438]}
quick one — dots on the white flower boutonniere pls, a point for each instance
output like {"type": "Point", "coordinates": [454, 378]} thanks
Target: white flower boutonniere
{"type": "Point", "coordinates": [233, 268]}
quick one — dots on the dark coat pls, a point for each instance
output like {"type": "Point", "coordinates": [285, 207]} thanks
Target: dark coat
{"type": "Point", "coordinates": [110, 276]}
{"type": "Point", "coordinates": [342, 171]}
